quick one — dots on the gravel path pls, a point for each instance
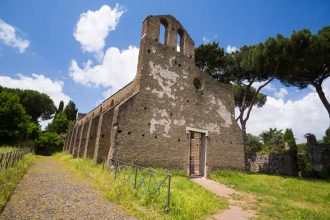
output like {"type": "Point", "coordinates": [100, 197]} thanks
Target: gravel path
{"type": "Point", "coordinates": [240, 204]}
{"type": "Point", "coordinates": [49, 190]}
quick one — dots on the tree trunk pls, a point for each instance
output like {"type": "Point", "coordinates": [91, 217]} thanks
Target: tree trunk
{"type": "Point", "coordinates": [243, 126]}
{"type": "Point", "coordinates": [321, 94]}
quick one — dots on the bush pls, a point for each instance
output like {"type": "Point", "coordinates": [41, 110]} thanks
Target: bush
{"type": "Point", "coordinates": [48, 143]}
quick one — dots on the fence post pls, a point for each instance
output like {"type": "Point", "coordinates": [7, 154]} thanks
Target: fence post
{"type": "Point", "coordinates": [168, 191]}
{"type": "Point", "coordinates": [116, 166]}
{"type": "Point", "coordinates": [135, 177]}
{"type": "Point", "coordinates": [9, 157]}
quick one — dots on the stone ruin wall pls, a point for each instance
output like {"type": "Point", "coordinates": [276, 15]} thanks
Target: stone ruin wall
{"type": "Point", "coordinates": [279, 163]}
{"type": "Point", "coordinates": [149, 119]}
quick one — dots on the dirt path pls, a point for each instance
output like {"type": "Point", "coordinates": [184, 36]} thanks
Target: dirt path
{"type": "Point", "coordinates": [240, 204]}
{"type": "Point", "coordinates": [49, 190]}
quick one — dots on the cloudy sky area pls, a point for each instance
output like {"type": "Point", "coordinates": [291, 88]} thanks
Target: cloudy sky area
{"type": "Point", "coordinates": [86, 51]}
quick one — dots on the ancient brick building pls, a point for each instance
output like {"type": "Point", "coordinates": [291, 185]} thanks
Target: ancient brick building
{"type": "Point", "coordinates": [171, 115]}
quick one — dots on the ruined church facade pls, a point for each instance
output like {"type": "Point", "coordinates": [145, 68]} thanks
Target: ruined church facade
{"type": "Point", "coordinates": [171, 115]}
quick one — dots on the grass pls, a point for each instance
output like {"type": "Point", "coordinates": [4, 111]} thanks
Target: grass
{"type": "Point", "coordinates": [280, 197]}
{"type": "Point", "coordinates": [6, 149]}
{"type": "Point", "coordinates": [188, 200]}
{"type": "Point", "coordinates": [10, 178]}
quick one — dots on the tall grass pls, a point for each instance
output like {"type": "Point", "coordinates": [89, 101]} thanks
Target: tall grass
{"type": "Point", "coordinates": [282, 197]}
{"type": "Point", "coordinates": [6, 149]}
{"type": "Point", "coordinates": [188, 200]}
{"type": "Point", "coordinates": [10, 178]}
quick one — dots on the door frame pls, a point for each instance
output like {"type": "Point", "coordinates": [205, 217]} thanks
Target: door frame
{"type": "Point", "coordinates": [203, 152]}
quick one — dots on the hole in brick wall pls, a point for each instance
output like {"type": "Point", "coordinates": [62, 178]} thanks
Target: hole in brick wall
{"type": "Point", "coordinates": [145, 108]}
{"type": "Point", "coordinates": [189, 68]}
{"type": "Point", "coordinates": [156, 39]}
{"type": "Point", "coordinates": [102, 135]}
{"type": "Point", "coordinates": [179, 65]}
{"type": "Point", "coordinates": [129, 133]}
{"type": "Point", "coordinates": [171, 114]}
{"type": "Point", "coordinates": [187, 101]}
{"type": "Point", "coordinates": [142, 135]}
{"type": "Point", "coordinates": [119, 131]}
{"type": "Point", "coordinates": [179, 140]}
{"type": "Point", "coordinates": [190, 56]}
{"type": "Point", "coordinates": [156, 137]}
{"type": "Point", "coordinates": [148, 123]}
{"type": "Point", "coordinates": [91, 138]}
{"type": "Point", "coordinates": [175, 62]}
{"type": "Point", "coordinates": [149, 51]}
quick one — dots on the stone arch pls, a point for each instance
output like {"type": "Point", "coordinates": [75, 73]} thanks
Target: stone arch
{"type": "Point", "coordinates": [163, 25]}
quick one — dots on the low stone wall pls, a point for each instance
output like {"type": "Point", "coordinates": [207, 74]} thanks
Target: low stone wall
{"type": "Point", "coordinates": [319, 154]}
{"type": "Point", "coordinates": [281, 163]}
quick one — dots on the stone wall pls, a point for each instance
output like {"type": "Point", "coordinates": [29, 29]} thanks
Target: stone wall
{"type": "Point", "coordinates": [148, 121]}
{"type": "Point", "coordinates": [319, 154]}
{"type": "Point", "coordinates": [282, 163]}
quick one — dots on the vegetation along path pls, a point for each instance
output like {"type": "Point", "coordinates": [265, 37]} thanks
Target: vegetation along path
{"type": "Point", "coordinates": [49, 190]}
{"type": "Point", "coordinates": [240, 204]}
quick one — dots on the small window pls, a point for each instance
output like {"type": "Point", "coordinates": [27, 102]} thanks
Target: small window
{"type": "Point", "coordinates": [163, 31]}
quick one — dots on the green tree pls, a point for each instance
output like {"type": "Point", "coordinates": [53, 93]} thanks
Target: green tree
{"type": "Point", "coordinates": [13, 119]}
{"type": "Point", "coordinates": [253, 144]}
{"type": "Point", "coordinates": [36, 104]}
{"type": "Point", "coordinates": [273, 140]}
{"type": "Point", "coordinates": [59, 124]}
{"type": "Point", "coordinates": [289, 139]}
{"type": "Point", "coordinates": [71, 111]}
{"type": "Point", "coordinates": [211, 59]}
{"type": "Point", "coordinates": [48, 143]}
{"type": "Point", "coordinates": [308, 61]}
{"type": "Point", "coordinates": [326, 137]}
{"type": "Point", "coordinates": [60, 107]}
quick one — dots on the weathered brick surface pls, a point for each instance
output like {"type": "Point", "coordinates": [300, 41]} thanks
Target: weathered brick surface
{"type": "Point", "coordinates": [91, 138]}
{"type": "Point", "coordinates": [281, 163]}
{"type": "Point", "coordinates": [150, 119]}
{"type": "Point", "coordinates": [103, 136]}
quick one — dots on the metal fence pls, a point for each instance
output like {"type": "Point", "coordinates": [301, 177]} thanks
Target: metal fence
{"type": "Point", "coordinates": [8, 160]}
{"type": "Point", "coordinates": [142, 180]}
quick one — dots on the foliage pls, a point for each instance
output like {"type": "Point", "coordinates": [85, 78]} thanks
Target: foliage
{"type": "Point", "coordinates": [13, 119]}
{"type": "Point", "coordinates": [281, 197]}
{"type": "Point", "coordinates": [211, 59]}
{"type": "Point", "coordinates": [60, 107]}
{"type": "Point", "coordinates": [242, 92]}
{"type": "Point", "coordinates": [36, 104]}
{"type": "Point", "coordinates": [253, 144]}
{"type": "Point", "coordinates": [326, 137]}
{"type": "Point", "coordinates": [288, 138]}
{"type": "Point", "coordinates": [48, 143]}
{"type": "Point", "coordinates": [59, 124]}
{"type": "Point", "coordinates": [308, 59]}
{"type": "Point", "coordinates": [188, 200]}
{"type": "Point", "coordinates": [10, 178]}
{"type": "Point", "coordinates": [71, 111]}
{"type": "Point", "coordinates": [273, 139]}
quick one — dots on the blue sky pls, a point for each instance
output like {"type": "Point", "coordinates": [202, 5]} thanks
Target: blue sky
{"type": "Point", "coordinates": [45, 54]}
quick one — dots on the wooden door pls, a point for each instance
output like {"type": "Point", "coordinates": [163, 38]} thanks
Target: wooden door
{"type": "Point", "coordinates": [195, 154]}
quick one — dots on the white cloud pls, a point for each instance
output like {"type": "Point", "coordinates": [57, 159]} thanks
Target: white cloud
{"type": "Point", "coordinates": [116, 69]}
{"type": "Point", "coordinates": [94, 26]}
{"type": "Point", "coordinates": [305, 115]}
{"type": "Point", "coordinates": [8, 37]}
{"type": "Point", "coordinates": [281, 93]}
{"type": "Point", "coordinates": [205, 40]}
{"type": "Point", "coordinates": [37, 82]}
{"type": "Point", "coordinates": [231, 49]}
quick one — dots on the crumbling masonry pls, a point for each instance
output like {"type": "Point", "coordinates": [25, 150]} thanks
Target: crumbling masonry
{"type": "Point", "coordinates": [171, 115]}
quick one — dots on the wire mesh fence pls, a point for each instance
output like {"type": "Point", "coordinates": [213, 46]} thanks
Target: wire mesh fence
{"type": "Point", "coordinates": [143, 181]}
{"type": "Point", "coordinates": [8, 159]}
